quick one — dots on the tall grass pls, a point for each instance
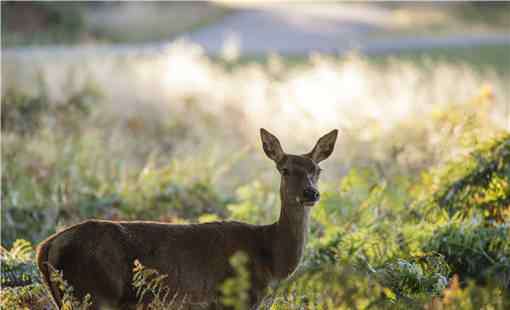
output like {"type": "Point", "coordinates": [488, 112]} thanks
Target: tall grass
{"type": "Point", "coordinates": [202, 102]}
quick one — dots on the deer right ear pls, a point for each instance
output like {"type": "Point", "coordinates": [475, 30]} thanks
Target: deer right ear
{"type": "Point", "coordinates": [324, 147]}
{"type": "Point", "coordinates": [271, 146]}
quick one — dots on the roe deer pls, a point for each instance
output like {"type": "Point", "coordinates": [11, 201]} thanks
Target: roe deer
{"type": "Point", "coordinates": [96, 257]}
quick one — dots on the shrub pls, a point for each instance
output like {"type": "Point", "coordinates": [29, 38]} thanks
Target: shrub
{"type": "Point", "coordinates": [17, 265]}
{"type": "Point", "coordinates": [29, 297]}
{"type": "Point", "coordinates": [416, 275]}
{"type": "Point", "coordinates": [478, 185]}
{"type": "Point", "coordinates": [474, 252]}
{"type": "Point", "coordinates": [331, 287]}
{"type": "Point", "coordinates": [69, 300]}
{"type": "Point", "coordinates": [20, 280]}
{"type": "Point", "coordinates": [41, 22]}
{"type": "Point", "coordinates": [256, 203]}
{"type": "Point", "coordinates": [235, 290]}
{"type": "Point", "coordinates": [470, 297]}
{"type": "Point", "coordinates": [25, 114]}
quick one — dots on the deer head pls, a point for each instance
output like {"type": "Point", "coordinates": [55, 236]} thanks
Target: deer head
{"type": "Point", "coordinates": [299, 173]}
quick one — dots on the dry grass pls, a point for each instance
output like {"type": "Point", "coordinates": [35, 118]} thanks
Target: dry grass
{"type": "Point", "coordinates": [183, 87]}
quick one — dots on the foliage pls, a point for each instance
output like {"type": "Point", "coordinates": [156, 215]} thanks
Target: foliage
{"type": "Point", "coordinates": [152, 290]}
{"type": "Point", "coordinates": [69, 301]}
{"type": "Point", "coordinates": [29, 297]}
{"type": "Point", "coordinates": [483, 185]}
{"type": "Point", "coordinates": [491, 13]}
{"type": "Point", "coordinates": [80, 22]}
{"type": "Point", "coordinates": [474, 251]}
{"type": "Point", "coordinates": [18, 268]}
{"type": "Point", "coordinates": [470, 297]}
{"type": "Point", "coordinates": [24, 113]}
{"type": "Point", "coordinates": [22, 22]}
{"type": "Point", "coordinates": [335, 286]}
{"type": "Point", "coordinates": [425, 274]}
{"type": "Point", "coordinates": [256, 203]}
{"type": "Point", "coordinates": [235, 290]}
{"type": "Point", "coordinates": [154, 191]}
{"type": "Point", "coordinates": [56, 171]}
{"type": "Point", "coordinates": [21, 283]}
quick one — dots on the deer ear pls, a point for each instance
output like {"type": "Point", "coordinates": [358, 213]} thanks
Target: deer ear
{"type": "Point", "coordinates": [324, 147]}
{"type": "Point", "coordinates": [271, 145]}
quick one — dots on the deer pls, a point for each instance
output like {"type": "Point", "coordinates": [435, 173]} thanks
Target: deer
{"type": "Point", "coordinates": [96, 256]}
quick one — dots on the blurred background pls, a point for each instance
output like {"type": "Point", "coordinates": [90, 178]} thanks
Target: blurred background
{"type": "Point", "coordinates": [151, 110]}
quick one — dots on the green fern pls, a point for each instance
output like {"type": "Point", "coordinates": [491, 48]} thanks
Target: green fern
{"type": "Point", "coordinates": [69, 300]}
{"type": "Point", "coordinates": [152, 290]}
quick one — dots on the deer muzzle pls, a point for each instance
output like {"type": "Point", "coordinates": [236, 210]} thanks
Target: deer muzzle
{"type": "Point", "coordinates": [310, 196]}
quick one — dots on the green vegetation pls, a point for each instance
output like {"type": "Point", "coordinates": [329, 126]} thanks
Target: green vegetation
{"type": "Point", "coordinates": [43, 22]}
{"type": "Point", "coordinates": [235, 289]}
{"type": "Point", "coordinates": [149, 284]}
{"type": "Point", "coordinates": [414, 211]}
{"type": "Point", "coordinates": [80, 22]}
{"type": "Point", "coordinates": [493, 57]}
{"type": "Point", "coordinates": [446, 18]}
{"type": "Point", "coordinates": [128, 23]}
{"type": "Point", "coordinates": [491, 13]}
{"type": "Point", "coordinates": [482, 58]}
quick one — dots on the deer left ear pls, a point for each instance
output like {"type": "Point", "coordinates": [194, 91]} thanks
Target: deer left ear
{"type": "Point", "coordinates": [324, 147]}
{"type": "Point", "coordinates": [271, 146]}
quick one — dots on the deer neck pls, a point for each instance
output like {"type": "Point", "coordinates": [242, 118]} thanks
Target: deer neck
{"type": "Point", "coordinates": [290, 236]}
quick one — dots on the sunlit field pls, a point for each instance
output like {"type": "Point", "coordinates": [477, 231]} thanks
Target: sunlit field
{"type": "Point", "coordinates": [415, 204]}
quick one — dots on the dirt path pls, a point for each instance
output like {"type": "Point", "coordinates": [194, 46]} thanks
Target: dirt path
{"type": "Point", "coordinates": [295, 30]}
{"type": "Point", "coordinates": [292, 29]}
{"type": "Point", "coordinates": [301, 29]}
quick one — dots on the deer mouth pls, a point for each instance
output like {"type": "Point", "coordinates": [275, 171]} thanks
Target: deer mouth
{"type": "Point", "coordinates": [307, 203]}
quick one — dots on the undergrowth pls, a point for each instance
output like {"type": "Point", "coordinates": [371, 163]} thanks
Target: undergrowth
{"type": "Point", "coordinates": [463, 261]}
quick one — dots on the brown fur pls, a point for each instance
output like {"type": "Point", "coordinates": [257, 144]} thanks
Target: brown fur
{"type": "Point", "coordinates": [97, 256]}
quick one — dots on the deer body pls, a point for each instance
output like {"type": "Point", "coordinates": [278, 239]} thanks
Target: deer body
{"type": "Point", "coordinates": [96, 257]}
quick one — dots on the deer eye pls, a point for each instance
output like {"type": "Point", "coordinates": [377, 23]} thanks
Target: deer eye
{"type": "Point", "coordinates": [285, 171]}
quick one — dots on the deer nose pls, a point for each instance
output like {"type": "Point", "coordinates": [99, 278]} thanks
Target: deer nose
{"type": "Point", "coordinates": [311, 194]}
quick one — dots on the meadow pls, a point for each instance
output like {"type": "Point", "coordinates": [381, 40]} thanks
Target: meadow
{"type": "Point", "coordinates": [416, 205]}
